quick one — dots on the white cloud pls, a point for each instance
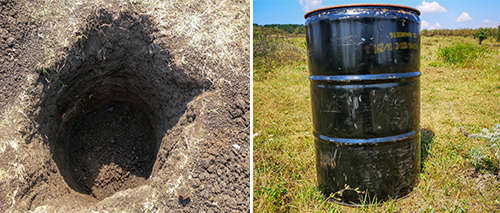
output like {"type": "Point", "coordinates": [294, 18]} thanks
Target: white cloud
{"type": "Point", "coordinates": [464, 17]}
{"type": "Point", "coordinates": [489, 23]}
{"type": "Point", "coordinates": [308, 5]}
{"type": "Point", "coordinates": [426, 25]}
{"type": "Point", "coordinates": [431, 7]}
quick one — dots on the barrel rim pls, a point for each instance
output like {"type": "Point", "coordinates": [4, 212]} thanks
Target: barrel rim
{"type": "Point", "coordinates": [361, 5]}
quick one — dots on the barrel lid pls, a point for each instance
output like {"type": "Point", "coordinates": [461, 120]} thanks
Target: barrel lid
{"type": "Point", "coordinates": [361, 5]}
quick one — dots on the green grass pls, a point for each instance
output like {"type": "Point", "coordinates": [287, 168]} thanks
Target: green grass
{"type": "Point", "coordinates": [273, 50]}
{"type": "Point", "coordinates": [464, 55]}
{"type": "Point", "coordinates": [284, 158]}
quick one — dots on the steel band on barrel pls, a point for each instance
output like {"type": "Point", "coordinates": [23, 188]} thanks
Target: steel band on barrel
{"type": "Point", "coordinates": [368, 77]}
{"type": "Point", "coordinates": [393, 138]}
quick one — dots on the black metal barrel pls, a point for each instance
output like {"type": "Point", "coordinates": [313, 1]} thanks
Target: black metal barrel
{"type": "Point", "coordinates": [364, 65]}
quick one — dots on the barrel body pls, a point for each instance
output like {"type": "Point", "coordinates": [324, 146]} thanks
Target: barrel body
{"type": "Point", "coordinates": [365, 92]}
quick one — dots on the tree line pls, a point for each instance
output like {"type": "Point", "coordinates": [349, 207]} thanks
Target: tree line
{"type": "Point", "coordinates": [283, 28]}
{"type": "Point", "coordinates": [298, 29]}
{"type": "Point", "coordinates": [460, 32]}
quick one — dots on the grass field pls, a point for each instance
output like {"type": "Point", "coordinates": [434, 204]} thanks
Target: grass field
{"type": "Point", "coordinates": [284, 158]}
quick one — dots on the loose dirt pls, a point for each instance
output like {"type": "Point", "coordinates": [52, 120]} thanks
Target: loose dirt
{"type": "Point", "coordinates": [112, 150]}
{"type": "Point", "coordinates": [17, 37]}
{"type": "Point", "coordinates": [131, 115]}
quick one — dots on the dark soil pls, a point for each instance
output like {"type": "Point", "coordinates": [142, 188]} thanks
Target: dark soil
{"type": "Point", "coordinates": [115, 124]}
{"type": "Point", "coordinates": [112, 150]}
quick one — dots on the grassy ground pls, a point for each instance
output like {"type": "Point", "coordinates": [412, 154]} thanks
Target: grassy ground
{"type": "Point", "coordinates": [284, 168]}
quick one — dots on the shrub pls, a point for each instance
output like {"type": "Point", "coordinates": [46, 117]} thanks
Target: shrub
{"type": "Point", "coordinates": [462, 54]}
{"type": "Point", "coordinates": [498, 33]}
{"type": "Point", "coordinates": [485, 157]}
{"type": "Point", "coordinates": [481, 34]}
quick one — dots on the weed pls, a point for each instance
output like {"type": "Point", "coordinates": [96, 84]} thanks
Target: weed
{"type": "Point", "coordinates": [436, 64]}
{"type": "Point", "coordinates": [276, 193]}
{"type": "Point", "coordinates": [337, 195]}
{"type": "Point", "coordinates": [46, 74]}
{"type": "Point", "coordinates": [463, 55]}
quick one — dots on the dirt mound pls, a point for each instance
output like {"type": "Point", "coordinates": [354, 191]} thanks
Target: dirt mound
{"type": "Point", "coordinates": [117, 122]}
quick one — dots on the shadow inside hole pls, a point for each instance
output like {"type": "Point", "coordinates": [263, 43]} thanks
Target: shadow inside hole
{"type": "Point", "coordinates": [111, 147]}
{"type": "Point", "coordinates": [426, 140]}
{"type": "Point", "coordinates": [106, 107]}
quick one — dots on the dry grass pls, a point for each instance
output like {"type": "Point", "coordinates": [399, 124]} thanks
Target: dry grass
{"type": "Point", "coordinates": [208, 36]}
{"type": "Point", "coordinates": [213, 32]}
{"type": "Point", "coordinates": [284, 153]}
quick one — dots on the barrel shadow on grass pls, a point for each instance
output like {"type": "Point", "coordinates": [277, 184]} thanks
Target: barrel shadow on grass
{"type": "Point", "coordinates": [426, 142]}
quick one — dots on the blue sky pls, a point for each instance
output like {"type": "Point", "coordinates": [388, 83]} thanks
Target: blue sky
{"type": "Point", "coordinates": [439, 14]}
